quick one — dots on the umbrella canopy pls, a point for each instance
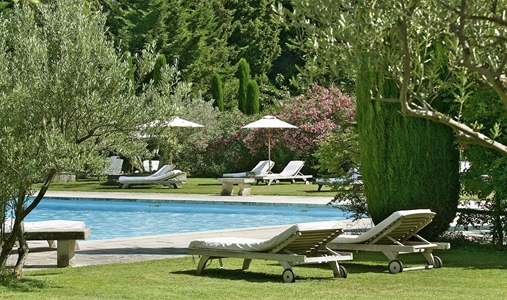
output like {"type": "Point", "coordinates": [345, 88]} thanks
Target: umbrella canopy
{"type": "Point", "coordinates": [269, 122]}
{"type": "Point", "coordinates": [175, 122]}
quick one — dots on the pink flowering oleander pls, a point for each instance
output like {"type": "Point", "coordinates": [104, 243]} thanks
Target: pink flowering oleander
{"type": "Point", "coordinates": [317, 113]}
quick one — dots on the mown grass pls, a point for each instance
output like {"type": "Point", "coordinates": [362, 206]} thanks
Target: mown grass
{"type": "Point", "coordinates": [208, 186]}
{"type": "Point", "coordinates": [469, 272]}
{"type": "Point", "coordinates": [466, 275]}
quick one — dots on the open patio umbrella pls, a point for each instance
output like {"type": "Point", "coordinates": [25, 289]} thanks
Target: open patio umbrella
{"type": "Point", "coordinates": [174, 122]}
{"type": "Point", "coordinates": [269, 122]}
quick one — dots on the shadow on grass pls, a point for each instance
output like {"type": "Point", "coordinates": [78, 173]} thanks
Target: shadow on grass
{"type": "Point", "coordinates": [23, 285]}
{"type": "Point", "coordinates": [136, 250]}
{"type": "Point", "coordinates": [249, 275]}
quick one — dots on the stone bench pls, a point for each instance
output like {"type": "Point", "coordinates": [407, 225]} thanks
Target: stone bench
{"type": "Point", "coordinates": [66, 243]}
{"type": "Point", "coordinates": [65, 246]}
{"type": "Point", "coordinates": [245, 186]}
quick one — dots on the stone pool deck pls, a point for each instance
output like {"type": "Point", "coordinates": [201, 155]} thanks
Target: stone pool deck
{"type": "Point", "coordinates": [126, 250]}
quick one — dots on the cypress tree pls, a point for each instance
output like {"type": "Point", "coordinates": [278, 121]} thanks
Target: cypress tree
{"type": "Point", "coordinates": [157, 70]}
{"type": "Point", "coordinates": [243, 74]}
{"type": "Point", "coordinates": [217, 92]}
{"type": "Point", "coordinates": [252, 98]}
{"type": "Point", "coordinates": [406, 163]}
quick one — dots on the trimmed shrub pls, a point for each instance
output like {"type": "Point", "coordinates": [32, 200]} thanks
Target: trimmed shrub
{"type": "Point", "coordinates": [406, 163]}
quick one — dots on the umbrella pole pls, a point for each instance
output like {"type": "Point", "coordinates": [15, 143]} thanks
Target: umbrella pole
{"type": "Point", "coordinates": [171, 152]}
{"type": "Point", "coordinates": [269, 147]}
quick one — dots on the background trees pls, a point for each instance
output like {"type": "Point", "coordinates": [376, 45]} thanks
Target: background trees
{"type": "Point", "coordinates": [433, 51]}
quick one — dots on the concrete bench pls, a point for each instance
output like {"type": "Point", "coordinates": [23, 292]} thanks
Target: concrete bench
{"type": "Point", "coordinates": [245, 186]}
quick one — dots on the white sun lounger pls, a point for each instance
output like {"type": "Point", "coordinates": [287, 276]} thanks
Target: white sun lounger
{"type": "Point", "coordinates": [353, 178]}
{"type": "Point", "coordinates": [262, 168]}
{"type": "Point", "coordinates": [113, 165]}
{"type": "Point", "coordinates": [300, 244]}
{"type": "Point", "coordinates": [162, 176]}
{"type": "Point", "coordinates": [65, 232]}
{"type": "Point", "coordinates": [291, 172]}
{"type": "Point", "coordinates": [393, 236]}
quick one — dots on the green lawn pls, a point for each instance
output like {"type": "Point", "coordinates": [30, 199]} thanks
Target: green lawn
{"type": "Point", "coordinates": [469, 272]}
{"type": "Point", "coordinates": [466, 275]}
{"type": "Point", "coordinates": [195, 186]}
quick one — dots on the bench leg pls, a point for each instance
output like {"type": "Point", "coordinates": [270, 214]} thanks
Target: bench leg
{"type": "Point", "coordinates": [245, 189]}
{"type": "Point", "coordinates": [65, 253]}
{"type": "Point", "coordinates": [227, 188]}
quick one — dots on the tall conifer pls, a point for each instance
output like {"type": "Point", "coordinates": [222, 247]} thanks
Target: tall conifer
{"type": "Point", "coordinates": [217, 92]}
{"type": "Point", "coordinates": [243, 74]}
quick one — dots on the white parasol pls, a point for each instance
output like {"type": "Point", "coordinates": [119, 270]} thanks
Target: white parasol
{"type": "Point", "coordinates": [269, 122]}
{"type": "Point", "coordinates": [175, 122]}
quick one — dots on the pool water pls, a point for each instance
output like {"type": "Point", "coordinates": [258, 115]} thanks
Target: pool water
{"type": "Point", "coordinates": [115, 219]}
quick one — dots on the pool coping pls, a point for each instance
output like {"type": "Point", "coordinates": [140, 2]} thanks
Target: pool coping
{"type": "Point", "coordinates": [192, 198]}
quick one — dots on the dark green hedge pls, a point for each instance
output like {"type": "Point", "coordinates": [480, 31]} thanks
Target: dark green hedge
{"type": "Point", "coordinates": [406, 163]}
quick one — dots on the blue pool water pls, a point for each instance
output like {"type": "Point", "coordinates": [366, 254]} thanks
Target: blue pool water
{"type": "Point", "coordinates": [114, 219]}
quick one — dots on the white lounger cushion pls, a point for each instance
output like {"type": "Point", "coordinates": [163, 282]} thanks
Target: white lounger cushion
{"type": "Point", "coordinates": [259, 245]}
{"type": "Point", "coordinates": [357, 239]}
{"type": "Point", "coordinates": [46, 225]}
{"type": "Point", "coordinates": [153, 177]}
{"type": "Point", "coordinates": [261, 168]}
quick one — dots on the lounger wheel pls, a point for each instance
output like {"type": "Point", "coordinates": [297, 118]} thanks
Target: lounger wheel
{"type": "Point", "coordinates": [343, 272]}
{"type": "Point", "coordinates": [437, 262]}
{"type": "Point", "coordinates": [395, 266]}
{"type": "Point", "coordinates": [289, 276]}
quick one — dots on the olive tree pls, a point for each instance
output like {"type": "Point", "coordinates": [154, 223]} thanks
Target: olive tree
{"type": "Point", "coordinates": [398, 38]}
{"type": "Point", "coordinates": [434, 52]}
{"type": "Point", "coordinates": [65, 102]}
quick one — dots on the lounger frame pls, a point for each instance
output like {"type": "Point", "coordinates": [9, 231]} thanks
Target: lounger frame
{"type": "Point", "coordinates": [303, 247]}
{"type": "Point", "coordinates": [400, 237]}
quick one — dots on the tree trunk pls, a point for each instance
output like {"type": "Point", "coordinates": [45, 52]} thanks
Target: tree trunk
{"type": "Point", "coordinates": [17, 231]}
{"type": "Point", "coordinates": [7, 245]}
{"type": "Point", "coordinates": [23, 251]}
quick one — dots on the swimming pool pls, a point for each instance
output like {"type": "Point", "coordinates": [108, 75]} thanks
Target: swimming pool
{"type": "Point", "coordinates": [109, 219]}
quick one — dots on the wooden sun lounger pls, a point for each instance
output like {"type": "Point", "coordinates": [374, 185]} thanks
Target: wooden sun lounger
{"type": "Point", "coordinates": [396, 235]}
{"type": "Point", "coordinates": [297, 245]}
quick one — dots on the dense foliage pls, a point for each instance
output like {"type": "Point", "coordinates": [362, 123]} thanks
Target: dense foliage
{"type": "Point", "coordinates": [406, 163]}
{"type": "Point", "coordinates": [486, 176]}
{"type": "Point", "coordinates": [65, 103]}
{"type": "Point", "coordinates": [318, 114]}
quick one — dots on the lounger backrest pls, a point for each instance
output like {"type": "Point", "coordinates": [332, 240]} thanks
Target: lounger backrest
{"type": "Point", "coordinates": [400, 226]}
{"type": "Point", "coordinates": [113, 165]}
{"type": "Point", "coordinates": [263, 166]}
{"type": "Point", "coordinates": [293, 168]}
{"type": "Point", "coordinates": [307, 242]}
{"type": "Point", "coordinates": [165, 176]}
{"type": "Point", "coordinates": [163, 170]}
{"type": "Point", "coordinates": [150, 165]}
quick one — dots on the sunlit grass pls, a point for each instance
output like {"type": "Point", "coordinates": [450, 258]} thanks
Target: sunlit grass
{"type": "Point", "coordinates": [207, 186]}
{"type": "Point", "coordinates": [466, 275]}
